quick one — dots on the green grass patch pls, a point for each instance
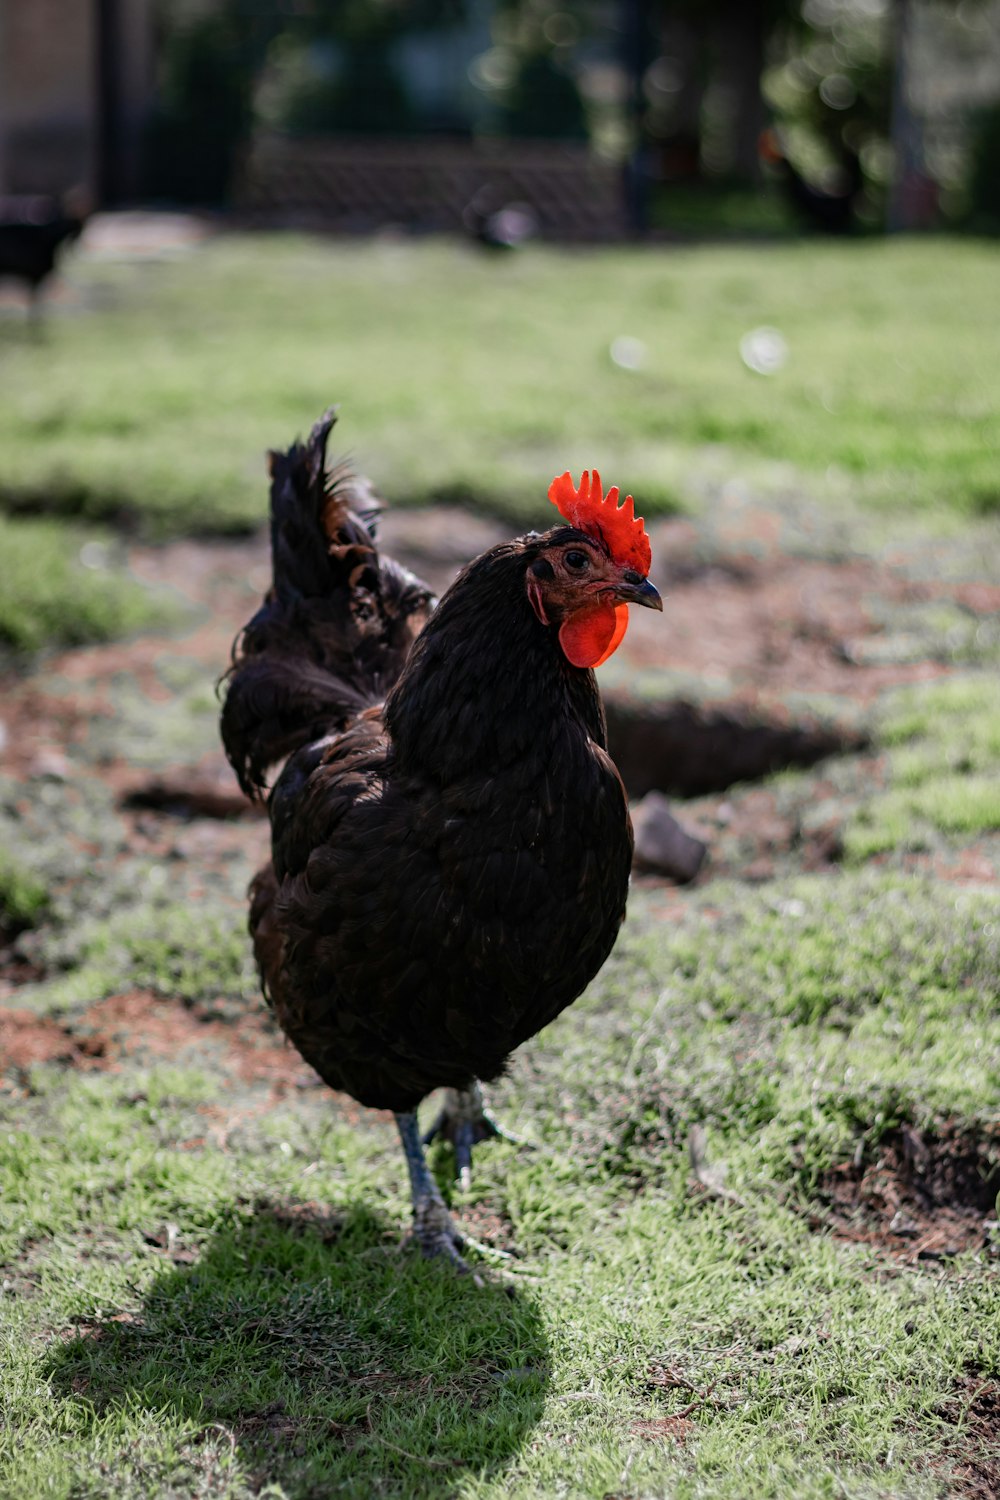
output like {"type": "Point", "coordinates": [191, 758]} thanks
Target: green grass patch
{"type": "Point", "coordinates": [793, 1022]}
{"type": "Point", "coordinates": [944, 740]}
{"type": "Point", "coordinates": [62, 586]}
{"type": "Point", "coordinates": [116, 919]}
{"type": "Point", "coordinates": [202, 1290]}
{"type": "Point", "coordinates": [474, 377]}
{"type": "Point", "coordinates": [23, 897]}
{"type": "Point", "coordinates": [700, 211]}
{"type": "Point", "coordinates": [207, 1295]}
{"type": "Point", "coordinates": [195, 952]}
{"type": "Point", "coordinates": [176, 730]}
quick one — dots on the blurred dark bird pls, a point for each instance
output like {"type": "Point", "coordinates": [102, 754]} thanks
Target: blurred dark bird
{"type": "Point", "coordinates": [497, 225]}
{"type": "Point", "coordinates": [33, 229]}
{"type": "Point", "coordinates": [831, 210]}
{"type": "Point", "coordinates": [451, 841]}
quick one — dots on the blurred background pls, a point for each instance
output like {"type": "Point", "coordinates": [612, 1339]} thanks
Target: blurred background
{"type": "Point", "coordinates": [595, 119]}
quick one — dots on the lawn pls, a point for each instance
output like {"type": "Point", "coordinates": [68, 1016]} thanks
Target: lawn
{"type": "Point", "coordinates": [157, 387]}
{"type": "Point", "coordinates": [753, 1226]}
{"type": "Point", "coordinates": [469, 375]}
{"type": "Point", "coordinates": [205, 1293]}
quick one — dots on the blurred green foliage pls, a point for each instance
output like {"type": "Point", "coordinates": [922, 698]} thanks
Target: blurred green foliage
{"type": "Point", "coordinates": [23, 897]}
{"type": "Point", "coordinates": [204, 107]}
{"type": "Point", "coordinates": [831, 91]}
{"type": "Point", "coordinates": [706, 77]}
{"type": "Point", "coordinates": [983, 194]}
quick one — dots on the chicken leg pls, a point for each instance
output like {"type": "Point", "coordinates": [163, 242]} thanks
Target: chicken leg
{"type": "Point", "coordinates": [433, 1226]}
{"type": "Point", "coordinates": [465, 1121]}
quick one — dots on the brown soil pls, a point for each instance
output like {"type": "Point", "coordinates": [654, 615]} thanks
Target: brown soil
{"type": "Point", "coordinates": [760, 623]}
{"type": "Point", "coordinates": [195, 793]}
{"type": "Point", "coordinates": [760, 629]}
{"type": "Point", "coordinates": [29, 1040]}
{"type": "Point", "coordinates": [140, 1024]}
{"type": "Point", "coordinates": [663, 1429]}
{"type": "Point", "coordinates": [301, 1217]}
{"type": "Point", "coordinates": [974, 1450]}
{"type": "Point", "coordinates": [782, 624]}
{"type": "Point", "coordinates": [924, 1197]}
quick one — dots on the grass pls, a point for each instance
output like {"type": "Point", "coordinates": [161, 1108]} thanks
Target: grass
{"type": "Point", "coordinates": [205, 1294]}
{"type": "Point", "coordinates": [195, 1312]}
{"type": "Point", "coordinates": [722, 213]}
{"type": "Point", "coordinates": [162, 949]}
{"type": "Point", "coordinates": [150, 402]}
{"type": "Point", "coordinates": [202, 1290]}
{"type": "Point", "coordinates": [65, 586]}
{"type": "Point", "coordinates": [944, 746]}
{"type": "Point", "coordinates": [475, 377]}
{"type": "Point", "coordinates": [23, 897]}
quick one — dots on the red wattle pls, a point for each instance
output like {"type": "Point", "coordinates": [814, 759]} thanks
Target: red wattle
{"type": "Point", "coordinates": [590, 636]}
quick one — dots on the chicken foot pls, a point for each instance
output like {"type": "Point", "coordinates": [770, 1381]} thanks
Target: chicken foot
{"type": "Point", "coordinates": [465, 1121]}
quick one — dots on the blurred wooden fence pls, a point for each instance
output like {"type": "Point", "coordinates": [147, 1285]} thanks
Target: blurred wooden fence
{"type": "Point", "coordinates": [429, 185]}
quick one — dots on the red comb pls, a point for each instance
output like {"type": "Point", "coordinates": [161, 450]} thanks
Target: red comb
{"type": "Point", "coordinates": [617, 526]}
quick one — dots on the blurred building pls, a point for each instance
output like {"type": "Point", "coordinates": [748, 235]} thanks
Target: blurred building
{"type": "Point", "coordinates": [76, 80]}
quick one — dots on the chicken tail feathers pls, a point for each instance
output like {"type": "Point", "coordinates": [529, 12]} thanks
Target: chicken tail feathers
{"type": "Point", "coordinates": [336, 625]}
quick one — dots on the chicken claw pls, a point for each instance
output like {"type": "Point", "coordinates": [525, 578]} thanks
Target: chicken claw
{"type": "Point", "coordinates": [436, 1232]}
{"type": "Point", "coordinates": [465, 1121]}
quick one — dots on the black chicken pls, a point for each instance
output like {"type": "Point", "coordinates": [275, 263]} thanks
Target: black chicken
{"type": "Point", "coordinates": [33, 229]}
{"type": "Point", "coordinates": [451, 841]}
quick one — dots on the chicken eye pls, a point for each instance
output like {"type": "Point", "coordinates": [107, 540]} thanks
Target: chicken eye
{"type": "Point", "coordinates": [576, 561]}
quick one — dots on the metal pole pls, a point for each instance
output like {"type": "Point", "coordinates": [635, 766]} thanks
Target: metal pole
{"type": "Point", "coordinates": [904, 130]}
{"type": "Point", "coordinates": [107, 62]}
{"type": "Point", "coordinates": [633, 28]}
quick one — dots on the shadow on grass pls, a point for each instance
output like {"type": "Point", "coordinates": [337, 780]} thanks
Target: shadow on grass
{"type": "Point", "coordinates": [330, 1360]}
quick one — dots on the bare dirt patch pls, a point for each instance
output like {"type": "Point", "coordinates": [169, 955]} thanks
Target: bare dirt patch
{"type": "Point", "coordinates": [29, 1039]}
{"type": "Point", "coordinates": [141, 1023]}
{"type": "Point", "coordinates": [761, 629]}
{"type": "Point", "coordinates": [688, 749]}
{"type": "Point", "coordinates": [759, 623]}
{"type": "Point", "coordinates": [974, 1450]}
{"type": "Point", "coordinates": [777, 624]}
{"type": "Point", "coordinates": [195, 794]}
{"type": "Point", "coordinates": [921, 1197]}
{"type": "Point", "coordinates": [143, 1026]}
{"type": "Point", "coordinates": [663, 1429]}
{"type": "Point", "coordinates": [301, 1218]}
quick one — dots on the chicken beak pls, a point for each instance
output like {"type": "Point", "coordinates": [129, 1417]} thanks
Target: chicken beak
{"type": "Point", "coordinates": [640, 593]}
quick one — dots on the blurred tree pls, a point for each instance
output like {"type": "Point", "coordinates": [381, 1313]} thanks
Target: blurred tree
{"type": "Point", "coordinates": [905, 135]}
{"type": "Point", "coordinates": [542, 101]}
{"type": "Point", "coordinates": [863, 82]}
{"type": "Point", "coordinates": [337, 85]}
{"type": "Point", "coordinates": [983, 191]}
{"type": "Point", "coordinates": [203, 109]}
{"type": "Point", "coordinates": [332, 65]}
{"type": "Point", "coordinates": [704, 102]}
{"type": "Point", "coordinates": [678, 88]}
{"type": "Point", "coordinates": [529, 77]}
{"type": "Point", "coordinates": [319, 65]}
